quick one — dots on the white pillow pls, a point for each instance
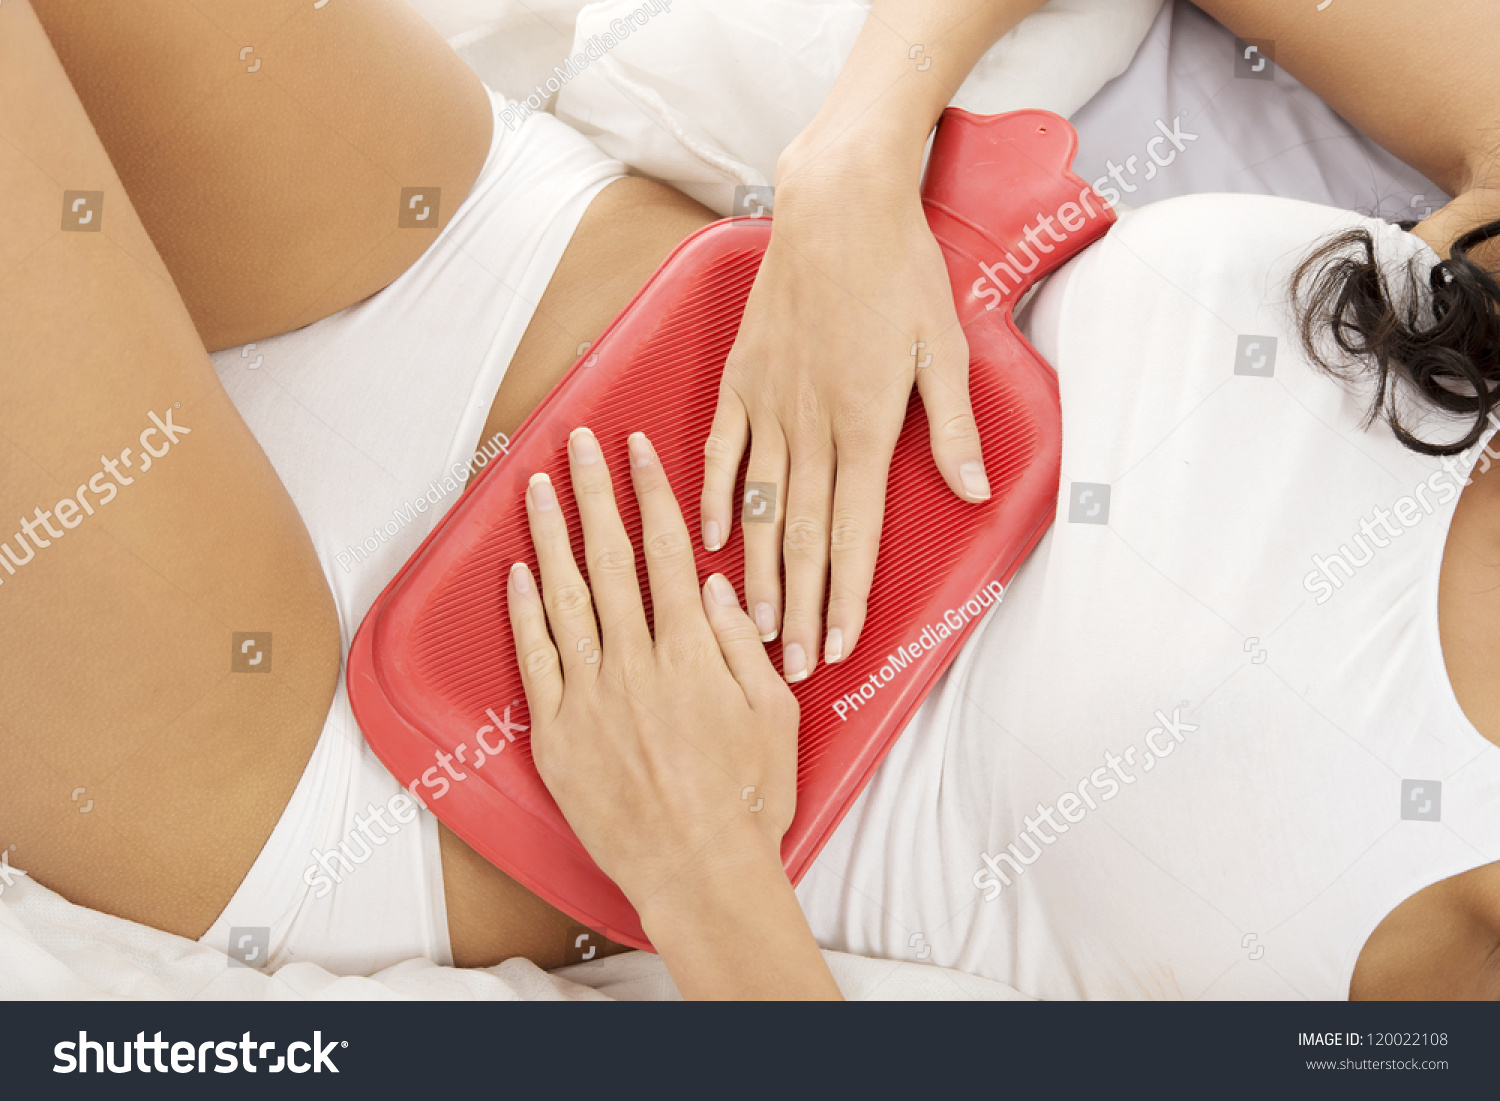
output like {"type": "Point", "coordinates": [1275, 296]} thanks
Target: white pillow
{"type": "Point", "coordinates": [705, 94]}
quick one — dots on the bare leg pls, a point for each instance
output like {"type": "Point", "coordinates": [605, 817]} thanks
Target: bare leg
{"type": "Point", "coordinates": [138, 774]}
{"type": "Point", "coordinates": [270, 183]}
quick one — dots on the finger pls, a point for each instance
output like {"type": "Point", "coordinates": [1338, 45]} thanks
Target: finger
{"type": "Point", "coordinates": [541, 672]}
{"type": "Point", "coordinates": [854, 543]}
{"type": "Point", "coordinates": [670, 566]}
{"type": "Point", "coordinates": [722, 452]}
{"type": "Point", "coordinates": [606, 547]}
{"type": "Point", "coordinates": [944, 386]}
{"type": "Point", "coordinates": [570, 609]}
{"type": "Point", "coordinates": [804, 549]}
{"type": "Point", "coordinates": [760, 523]}
{"type": "Point", "coordinates": [739, 640]}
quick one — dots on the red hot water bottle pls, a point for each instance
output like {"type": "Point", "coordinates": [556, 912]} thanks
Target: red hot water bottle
{"type": "Point", "coordinates": [432, 672]}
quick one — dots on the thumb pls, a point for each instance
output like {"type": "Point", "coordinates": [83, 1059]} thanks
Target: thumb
{"type": "Point", "coordinates": [944, 385]}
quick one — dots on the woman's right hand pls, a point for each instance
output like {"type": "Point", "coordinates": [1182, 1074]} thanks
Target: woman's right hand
{"type": "Point", "coordinates": [673, 758]}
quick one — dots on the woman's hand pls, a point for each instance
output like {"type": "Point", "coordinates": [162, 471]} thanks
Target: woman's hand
{"type": "Point", "coordinates": [851, 306]}
{"type": "Point", "coordinates": [674, 759]}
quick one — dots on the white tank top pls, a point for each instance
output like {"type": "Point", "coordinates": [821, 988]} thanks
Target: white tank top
{"type": "Point", "coordinates": [1207, 742]}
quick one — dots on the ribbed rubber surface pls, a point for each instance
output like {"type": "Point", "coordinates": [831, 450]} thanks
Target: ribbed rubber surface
{"type": "Point", "coordinates": [464, 624]}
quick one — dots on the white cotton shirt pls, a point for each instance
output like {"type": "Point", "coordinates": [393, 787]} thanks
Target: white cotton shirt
{"type": "Point", "coordinates": [1297, 762]}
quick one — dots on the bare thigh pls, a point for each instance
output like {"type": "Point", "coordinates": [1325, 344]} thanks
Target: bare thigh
{"type": "Point", "coordinates": [266, 143]}
{"type": "Point", "coordinates": [139, 774]}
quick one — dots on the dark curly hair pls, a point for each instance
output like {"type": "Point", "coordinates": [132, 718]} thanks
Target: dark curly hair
{"type": "Point", "coordinates": [1453, 360]}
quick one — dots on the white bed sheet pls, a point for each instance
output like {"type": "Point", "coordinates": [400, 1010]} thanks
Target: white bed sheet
{"type": "Point", "coordinates": [51, 949]}
{"type": "Point", "coordinates": [1250, 135]}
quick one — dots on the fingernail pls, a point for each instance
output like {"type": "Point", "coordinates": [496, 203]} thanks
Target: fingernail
{"type": "Point", "coordinates": [722, 591]}
{"type": "Point", "coordinates": [520, 578]}
{"type": "Point", "coordinates": [639, 448]}
{"type": "Point", "coordinates": [542, 495]}
{"type": "Point", "coordinates": [765, 621]}
{"type": "Point", "coordinates": [585, 447]}
{"type": "Point", "coordinates": [711, 534]}
{"type": "Point", "coordinates": [976, 485]}
{"type": "Point", "coordinates": [793, 663]}
{"type": "Point", "coordinates": [833, 646]}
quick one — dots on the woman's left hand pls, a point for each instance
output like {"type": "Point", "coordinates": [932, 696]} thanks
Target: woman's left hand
{"type": "Point", "coordinates": [852, 303]}
{"type": "Point", "coordinates": [851, 306]}
{"type": "Point", "coordinates": [673, 758]}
